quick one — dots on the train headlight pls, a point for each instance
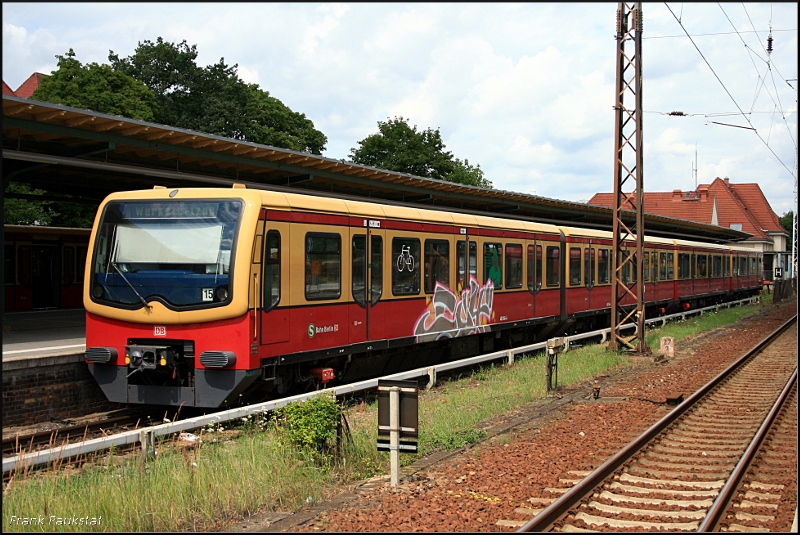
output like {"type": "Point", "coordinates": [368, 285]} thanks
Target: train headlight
{"type": "Point", "coordinates": [97, 291]}
{"type": "Point", "coordinates": [136, 357]}
{"type": "Point", "coordinates": [221, 293]}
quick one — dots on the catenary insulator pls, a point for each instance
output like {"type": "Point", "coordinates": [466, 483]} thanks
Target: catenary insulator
{"type": "Point", "coordinates": [769, 44]}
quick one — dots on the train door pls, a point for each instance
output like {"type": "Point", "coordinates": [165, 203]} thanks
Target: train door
{"type": "Point", "coordinates": [466, 258]}
{"type": "Point", "coordinates": [366, 314]}
{"type": "Point", "coordinates": [589, 269]}
{"type": "Point", "coordinates": [45, 275]}
{"type": "Point", "coordinates": [534, 283]}
{"type": "Point", "coordinates": [650, 273]}
{"type": "Point", "coordinates": [274, 314]}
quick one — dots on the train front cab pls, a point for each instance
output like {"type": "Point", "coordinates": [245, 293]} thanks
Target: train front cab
{"type": "Point", "coordinates": [168, 302]}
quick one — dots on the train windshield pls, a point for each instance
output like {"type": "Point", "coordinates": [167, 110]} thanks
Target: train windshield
{"type": "Point", "coordinates": [176, 252]}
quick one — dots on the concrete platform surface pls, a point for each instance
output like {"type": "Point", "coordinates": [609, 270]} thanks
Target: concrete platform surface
{"type": "Point", "coordinates": [43, 333]}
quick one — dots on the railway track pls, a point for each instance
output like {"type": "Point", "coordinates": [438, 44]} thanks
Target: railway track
{"type": "Point", "coordinates": [26, 442]}
{"type": "Point", "coordinates": [715, 449]}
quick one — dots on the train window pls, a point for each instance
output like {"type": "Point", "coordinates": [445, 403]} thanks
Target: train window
{"type": "Point", "coordinates": [670, 266]}
{"type": "Point", "coordinates": [473, 261]}
{"type": "Point", "coordinates": [534, 268]}
{"type": "Point", "coordinates": [742, 266]}
{"type": "Point", "coordinates": [437, 264]}
{"type": "Point", "coordinates": [717, 266]}
{"type": "Point", "coordinates": [683, 265]}
{"type": "Point", "coordinates": [377, 268]}
{"type": "Point", "coordinates": [663, 268]}
{"type": "Point", "coordinates": [753, 266]}
{"type": "Point", "coordinates": [574, 266]}
{"type": "Point", "coordinates": [68, 265]}
{"type": "Point", "coordinates": [702, 267]}
{"type": "Point", "coordinates": [405, 264]}
{"type": "Point", "coordinates": [492, 266]}
{"type": "Point", "coordinates": [726, 266]}
{"type": "Point", "coordinates": [603, 259]}
{"type": "Point", "coordinates": [323, 266]}
{"type": "Point", "coordinates": [553, 266]}
{"type": "Point", "coordinates": [628, 267]}
{"type": "Point", "coordinates": [647, 265]}
{"type": "Point", "coordinates": [9, 273]}
{"type": "Point", "coordinates": [272, 270]}
{"type": "Point", "coordinates": [513, 265]}
{"type": "Point", "coordinates": [539, 269]}
{"type": "Point", "coordinates": [589, 262]}
{"type": "Point", "coordinates": [759, 266]}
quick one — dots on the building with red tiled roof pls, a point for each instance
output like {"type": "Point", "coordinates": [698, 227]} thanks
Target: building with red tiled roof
{"type": "Point", "coordinates": [30, 85]}
{"type": "Point", "coordinates": [738, 206]}
{"type": "Point", "coordinates": [7, 90]}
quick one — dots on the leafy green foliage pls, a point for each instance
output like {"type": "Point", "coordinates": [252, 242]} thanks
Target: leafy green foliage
{"type": "Point", "coordinates": [214, 99]}
{"type": "Point", "coordinates": [311, 425]}
{"type": "Point", "coordinates": [20, 207]}
{"type": "Point", "coordinates": [26, 211]}
{"type": "Point", "coordinates": [96, 87]}
{"type": "Point", "coordinates": [271, 122]}
{"type": "Point", "coordinates": [400, 147]}
{"type": "Point", "coordinates": [787, 221]}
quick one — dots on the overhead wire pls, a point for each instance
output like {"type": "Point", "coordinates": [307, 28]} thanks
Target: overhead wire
{"type": "Point", "coordinates": [743, 114]}
{"type": "Point", "coordinates": [770, 65]}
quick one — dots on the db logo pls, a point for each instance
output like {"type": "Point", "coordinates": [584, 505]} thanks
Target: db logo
{"type": "Point", "coordinates": [159, 330]}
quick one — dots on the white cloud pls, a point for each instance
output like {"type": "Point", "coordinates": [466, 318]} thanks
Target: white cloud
{"type": "Point", "coordinates": [524, 90]}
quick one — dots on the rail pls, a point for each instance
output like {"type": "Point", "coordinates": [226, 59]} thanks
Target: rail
{"type": "Point", "coordinates": [75, 450]}
{"type": "Point", "coordinates": [552, 513]}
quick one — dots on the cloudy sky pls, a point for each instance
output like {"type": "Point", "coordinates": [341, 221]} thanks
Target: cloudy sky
{"type": "Point", "coordinates": [524, 90]}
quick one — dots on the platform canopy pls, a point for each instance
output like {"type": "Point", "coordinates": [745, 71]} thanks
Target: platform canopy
{"type": "Point", "coordinates": [88, 155]}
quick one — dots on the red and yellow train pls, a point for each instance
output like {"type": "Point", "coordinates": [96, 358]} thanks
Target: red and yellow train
{"type": "Point", "coordinates": [204, 297]}
{"type": "Point", "coordinates": [43, 267]}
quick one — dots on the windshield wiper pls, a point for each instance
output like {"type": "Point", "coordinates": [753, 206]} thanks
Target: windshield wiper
{"type": "Point", "coordinates": [121, 274]}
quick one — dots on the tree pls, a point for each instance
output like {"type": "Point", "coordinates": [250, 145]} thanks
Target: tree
{"type": "Point", "coordinates": [214, 99]}
{"type": "Point", "coordinates": [402, 148]}
{"type": "Point", "coordinates": [464, 173]}
{"type": "Point", "coordinates": [787, 221]}
{"type": "Point", "coordinates": [21, 207]}
{"type": "Point", "coordinates": [25, 211]}
{"type": "Point", "coordinates": [96, 87]}
{"type": "Point", "coordinates": [272, 123]}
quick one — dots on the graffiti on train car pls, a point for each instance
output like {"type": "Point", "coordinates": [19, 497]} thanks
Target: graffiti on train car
{"type": "Point", "coordinates": [449, 315]}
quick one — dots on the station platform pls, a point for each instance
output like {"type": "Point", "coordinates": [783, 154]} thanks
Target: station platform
{"type": "Point", "coordinates": [43, 333]}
